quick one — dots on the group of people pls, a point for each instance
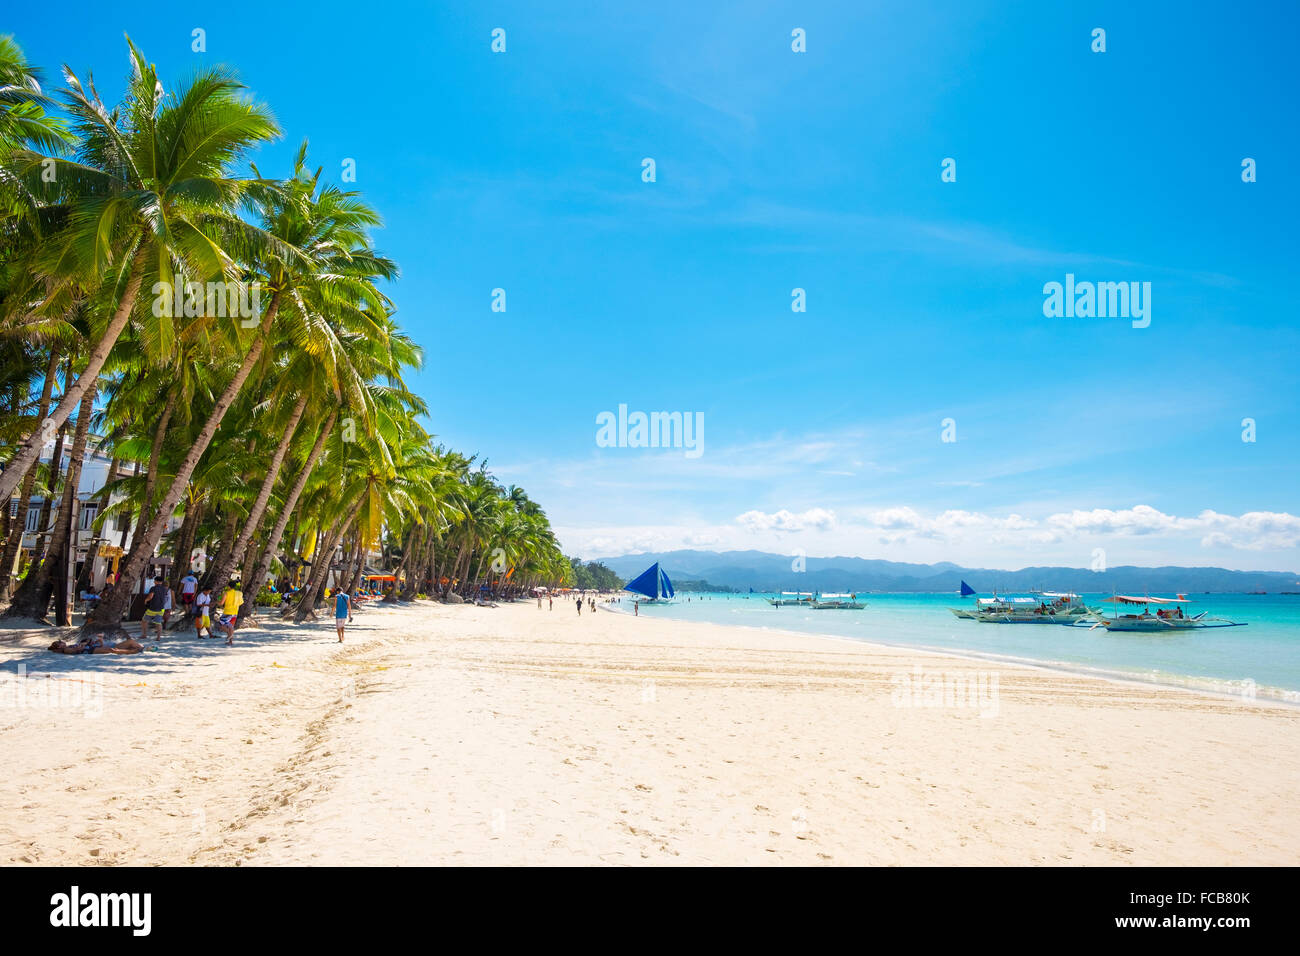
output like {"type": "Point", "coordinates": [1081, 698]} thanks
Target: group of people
{"type": "Point", "coordinates": [580, 600]}
{"type": "Point", "coordinates": [197, 604]}
{"type": "Point", "coordinates": [210, 618]}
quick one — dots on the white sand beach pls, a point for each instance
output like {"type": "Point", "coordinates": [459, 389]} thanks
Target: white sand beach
{"type": "Point", "coordinates": [460, 735]}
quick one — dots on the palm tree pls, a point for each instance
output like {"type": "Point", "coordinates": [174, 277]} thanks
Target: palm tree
{"type": "Point", "coordinates": [23, 118]}
{"type": "Point", "coordinates": [331, 279]}
{"type": "Point", "coordinates": [150, 185]}
{"type": "Point", "coordinates": [224, 427]}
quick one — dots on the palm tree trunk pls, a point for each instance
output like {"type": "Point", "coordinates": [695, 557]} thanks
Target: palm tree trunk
{"type": "Point", "coordinates": [47, 505]}
{"type": "Point", "coordinates": [185, 543]}
{"type": "Point", "coordinates": [320, 573]}
{"type": "Point", "coordinates": [31, 449]}
{"type": "Point", "coordinates": [155, 452]}
{"type": "Point", "coordinates": [462, 567]}
{"type": "Point", "coordinates": [14, 540]}
{"type": "Point", "coordinates": [107, 613]}
{"type": "Point", "coordinates": [224, 543]}
{"type": "Point", "coordinates": [127, 518]}
{"type": "Point", "coordinates": [414, 542]}
{"type": "Point", "coordinates": [32, 598]}
{"type": "Point", "coordinates": [252, 558]}
{"type": "Point", "coordinates": [360, 561]}
{"type": "Point", "coordinates": [236, 553]}
{"type": "Point", "coordinates": [290, 503]}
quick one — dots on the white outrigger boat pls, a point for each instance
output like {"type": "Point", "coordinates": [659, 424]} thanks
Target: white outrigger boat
{"type": "Point", "coordinates": [1164, 619]}
{"type": "Point", "coordinates": [838, 602]}
{"type": "Point", "coordinates": [793, 599]}
{"type": "Point", "coordinates": [1048, 607]}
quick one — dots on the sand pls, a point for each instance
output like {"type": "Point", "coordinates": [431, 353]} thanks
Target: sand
{"type": "Point", "coordinates": [460, 735]}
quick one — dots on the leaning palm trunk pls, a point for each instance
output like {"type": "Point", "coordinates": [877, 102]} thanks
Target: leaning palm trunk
{"type": "Point", "coordinates": [306, 605]}
{"type": "Point", "coordinates": [33, 596]}
{"type": "Point", "coordinates": [236, 553]}
{"type": "Point", "coordinates": [419, 538]}
{"type": "Point", "coordinates": [224, 542]}
{"type": "Point", "coordinates": [252, 558]}
{"type": "Point", "coordinates": [107, 613]}
{"type": "Point", "coordinates": [47, 507]}
{"type": "Point", "coordinates": [127, 518]}
{"type": "Point", "coordinates": [273, 542]}
{"type": "Point", "coordinates": [27, 455]}
{"type": "Point", "coordinates": [184, 543]}
{"type": "Point", "coordinates": [155, 453]}
{"type": "Point", "coordinates": [18, 525]}
{"type": "Point", "coordinates": [360, 562]}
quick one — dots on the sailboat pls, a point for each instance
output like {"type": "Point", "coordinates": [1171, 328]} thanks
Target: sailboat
{"type": "Point", "coordinates": [653, 584]}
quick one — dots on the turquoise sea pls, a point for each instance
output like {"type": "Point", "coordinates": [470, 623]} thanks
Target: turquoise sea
{"type": "Point", "coordinates": [1266, 652]}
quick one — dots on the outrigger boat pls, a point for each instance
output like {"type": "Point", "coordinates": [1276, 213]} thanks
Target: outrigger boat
{"type": "Point", "coordinates": [793, 599]}
{"type": "Point", "coordinates": [1048, 607]}
{"type": "Point", "coordinates": [838, 602]}
{"type": "Point", "coordinates": [1165, 618]}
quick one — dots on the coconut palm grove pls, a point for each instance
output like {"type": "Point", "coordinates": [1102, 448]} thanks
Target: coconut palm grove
{"type": "Point", "coordinates": [221, 335]}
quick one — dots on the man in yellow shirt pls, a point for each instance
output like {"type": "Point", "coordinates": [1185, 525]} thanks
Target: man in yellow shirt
{"type": "Point", "coordinates": [231, 601]}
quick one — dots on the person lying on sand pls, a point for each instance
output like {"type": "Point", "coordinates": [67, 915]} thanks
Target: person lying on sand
{"type": "Point", "coordinates": [97, 645]}
{"type": "Point", "coordinates": [87, 645]}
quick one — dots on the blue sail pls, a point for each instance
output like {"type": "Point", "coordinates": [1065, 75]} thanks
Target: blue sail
{"type": "Point", "coordinates": [666, 586]}
{"type": "Point", "coordinates": [966, 590]}
{"type": "Point", "coordinates": [650, 582]}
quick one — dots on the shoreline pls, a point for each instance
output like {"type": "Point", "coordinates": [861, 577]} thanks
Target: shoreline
{"type": "Point", "coordinates": [1265, 693]}
{"type": "Point", "coordinates": [512, 735]}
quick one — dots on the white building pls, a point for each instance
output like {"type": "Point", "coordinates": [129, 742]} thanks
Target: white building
{"type": "Point", "coordinates": [89, 543]}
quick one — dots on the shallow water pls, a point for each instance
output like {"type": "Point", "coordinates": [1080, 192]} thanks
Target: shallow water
{"type": "Point", "coordinates": [1229, 659]}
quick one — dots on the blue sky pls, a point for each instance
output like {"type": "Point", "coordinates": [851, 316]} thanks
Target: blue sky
{"type": "Point", "coordinates": [819, 170]}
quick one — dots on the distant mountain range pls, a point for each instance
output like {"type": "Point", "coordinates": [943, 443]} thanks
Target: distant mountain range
{"type": "Point", "coordinates": [763, 571]}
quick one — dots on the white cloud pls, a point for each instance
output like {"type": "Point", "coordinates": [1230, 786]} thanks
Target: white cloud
{"type": "Point", "coordinates": [812, 519]}
{"type": "Point", "coordinates": [1254, 530]}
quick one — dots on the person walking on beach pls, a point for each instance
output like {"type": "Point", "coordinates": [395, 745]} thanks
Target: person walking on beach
{"type": "Point", "coordinates": [189, 586]}
{"type": "Point", "coordinates": [342, 611]}
{"type": "Point", "coordinates": [202, 613]}
{"type": "Point", "coordinates": [579, 605]}
{"type": "Point", "coordinates": [231, 602]}
{"type": "Point", "coordinates": [636, 609]}
{"type": "Point", "coordinates": [550, 604]}
{"type": "Point", "coordinates": [153, 610]}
